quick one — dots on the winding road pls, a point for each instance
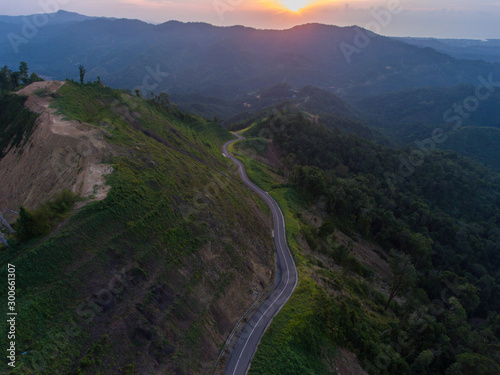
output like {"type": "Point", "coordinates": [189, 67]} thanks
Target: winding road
{"type": "Point", "coordinates": [241, 356]}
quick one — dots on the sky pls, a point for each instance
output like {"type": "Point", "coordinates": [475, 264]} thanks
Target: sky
{"type": "Point", "coordinates": [471, 19]}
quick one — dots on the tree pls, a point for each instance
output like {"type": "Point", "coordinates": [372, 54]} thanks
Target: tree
{"type": "Point", "coordinates": [5, 82]}
{"type": "Point", "coordinates": [455, 316]}
{"type": "Point", "coordinates": [25, 225]}
{"type": "Point", "coordinates": [403, 275]}
{"type": "Point", "coordinates": [35, 78]}
{"type": "Point", "coordinates": [137, 92]}
{"type": "Point", "coordinates": [422, 362]}
{"type": "Point", "coordinates": [288, 163]}
{"type": "Point", "coordinates": [23, 72]}
{"type": "Point", "coordinates": [364, 224]}
{"type": "Point", "coordinates": [419, 247]}
{"type": "Point", "coordinates": [81, 68]}
{"type": "Point", "coordinates": [469, 297]}
{"type": "Point", "coordinates": [14, 79]}
{"type": "Point", "coordinates": [327, 228]}
{"type": "Point", "coordinates": [311, 179]}
{"type": "Point", "coordinates": [473, 364]}
{"type": "Point", "coordinates": [162, 101]}
{"type": "Point", "coordinates": [10, 81]}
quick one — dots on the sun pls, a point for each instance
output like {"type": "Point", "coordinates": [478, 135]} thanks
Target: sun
{"type": "Point", "coordinates": [295, 5]}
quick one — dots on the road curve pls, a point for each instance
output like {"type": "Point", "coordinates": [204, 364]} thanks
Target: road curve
{"type": "Point", "coordinates": [241, 356]}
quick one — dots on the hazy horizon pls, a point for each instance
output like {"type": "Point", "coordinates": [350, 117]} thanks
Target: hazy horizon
{"type": "Point", "coordinates": [461, 19]}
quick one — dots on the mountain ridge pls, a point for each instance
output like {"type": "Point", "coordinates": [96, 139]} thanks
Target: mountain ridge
{"type": "Point", "coordinates": [152, 278]}
{"type": "Point", "coordinates": [228, 62]}
{"type": "Point", "coordinates": [61, 16]}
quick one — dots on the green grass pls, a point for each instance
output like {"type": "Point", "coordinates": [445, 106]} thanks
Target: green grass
{"type": "Point", "coordinates": [294, 343]}
{"type": "Point", "coordinates": [259, 173]}
{"type": "Point", "coordinates": [288, 201]}
{"type": "Point", "coordinates": [146, 234]}
{"type": "Point", "coordinates": [43, 220]}
{"type": "Point", "coordinates": [265, 177]}
{"type": "Point", "coordinates": [294, 340]}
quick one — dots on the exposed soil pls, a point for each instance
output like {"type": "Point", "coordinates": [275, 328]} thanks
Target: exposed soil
{"type": "Point", "coordinates": [369, 254]}
{"type": "Point", "coordinates": [346, 363]}
{"type": "Point", "coordinates": [59, 155]}
{"type": "Point", "coordinates": [273, 156]}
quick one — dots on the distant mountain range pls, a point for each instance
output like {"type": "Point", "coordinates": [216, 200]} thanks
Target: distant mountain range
{"type": "Point", "coordinates": [226, 62]}
{"type": "Point", "coordinates": [400, 85]}
{"type": "Point", "coordinates": [467, 49]}
{"type": "Point", "coordinates": [60, 17]}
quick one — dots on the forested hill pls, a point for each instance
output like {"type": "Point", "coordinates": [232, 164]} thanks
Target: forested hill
{"type": "Point", "coordinates": [435, 214]}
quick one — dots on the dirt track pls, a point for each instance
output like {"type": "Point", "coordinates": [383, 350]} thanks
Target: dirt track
{"type": "Point", "coordinates": [60, 155]}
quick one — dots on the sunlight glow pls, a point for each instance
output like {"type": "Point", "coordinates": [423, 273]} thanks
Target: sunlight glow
{"type": "Point", "coordinates": [295, 5]}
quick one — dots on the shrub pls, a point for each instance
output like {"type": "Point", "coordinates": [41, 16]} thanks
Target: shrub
{"type": "Point", "coordinates": [42, 220]}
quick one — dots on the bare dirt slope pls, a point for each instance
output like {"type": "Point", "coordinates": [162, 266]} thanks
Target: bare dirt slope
{"type": "Point", "coordinates": [60, 155]}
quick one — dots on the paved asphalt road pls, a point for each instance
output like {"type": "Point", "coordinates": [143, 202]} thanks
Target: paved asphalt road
{"type": "Point", "coordinates": [241, 356]}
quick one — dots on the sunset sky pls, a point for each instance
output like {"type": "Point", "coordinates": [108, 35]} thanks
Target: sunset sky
{"type": "Point", "coordinates": [444, 18]}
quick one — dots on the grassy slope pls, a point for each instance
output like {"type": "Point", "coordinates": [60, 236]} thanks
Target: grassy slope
{"type": "Point", "coordinates": [135, 283]}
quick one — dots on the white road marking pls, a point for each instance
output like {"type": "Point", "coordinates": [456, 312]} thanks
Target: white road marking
{"type": "Point", "coordinates": [276, 214]}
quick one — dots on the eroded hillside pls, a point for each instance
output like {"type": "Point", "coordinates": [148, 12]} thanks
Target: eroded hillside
{"type": "Point", "coordinates": [60, 154]}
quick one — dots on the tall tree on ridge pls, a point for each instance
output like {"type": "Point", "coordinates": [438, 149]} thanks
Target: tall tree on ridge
{"type": "Point", "coordinates": [81, 68]}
